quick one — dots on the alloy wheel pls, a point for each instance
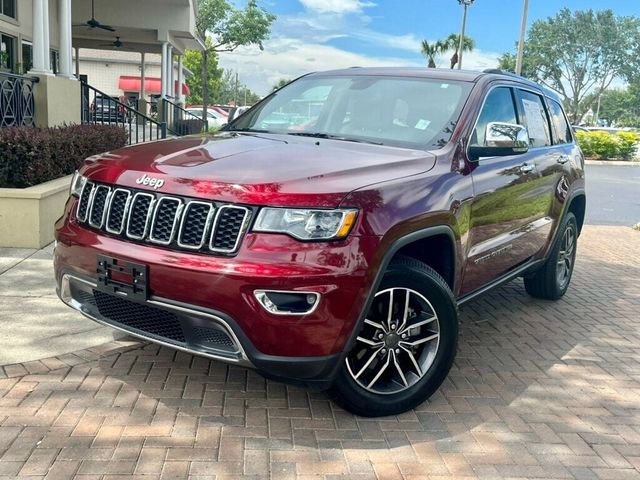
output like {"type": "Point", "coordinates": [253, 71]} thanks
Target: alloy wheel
{"type": "Point", "coordinates": [566, 257]}
{"type": "Point", "coordinates": [398, 342]}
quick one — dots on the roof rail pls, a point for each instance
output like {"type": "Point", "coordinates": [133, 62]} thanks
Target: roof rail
{"type": "Point", "coordinates": [501, 72]}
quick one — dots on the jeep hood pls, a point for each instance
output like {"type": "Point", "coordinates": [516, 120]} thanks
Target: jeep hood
{"type": "Point", "coordinates": [258, 168]}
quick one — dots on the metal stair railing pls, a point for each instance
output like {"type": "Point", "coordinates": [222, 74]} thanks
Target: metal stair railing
{"type": "Point", "coordinates": [99, 108]}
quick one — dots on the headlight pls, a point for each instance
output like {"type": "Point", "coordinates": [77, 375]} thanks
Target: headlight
{"type": "Point", "coordinates": [77, 184]}
{"type": "Point", "coordinates": [307, 224]}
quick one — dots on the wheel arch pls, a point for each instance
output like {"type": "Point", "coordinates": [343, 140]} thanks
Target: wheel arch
{"type": "Point", "coordinates": [405, 242]}
{"type": "Point", "coordinates": [578, 206]}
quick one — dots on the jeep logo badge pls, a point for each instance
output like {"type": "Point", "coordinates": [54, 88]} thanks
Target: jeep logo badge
{"type": "Point", "coordinates": [156, 183]}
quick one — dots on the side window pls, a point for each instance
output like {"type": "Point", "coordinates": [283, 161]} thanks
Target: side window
{"type": "Point", "coordinates": [560, 124]}
{"type": "Point", "coordinates": [498, 107]}
{"type": "Point", "coordinates": [535, 118]}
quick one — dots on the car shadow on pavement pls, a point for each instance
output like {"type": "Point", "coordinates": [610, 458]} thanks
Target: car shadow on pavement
{"type": "Point", "coordinates": [527, 371]}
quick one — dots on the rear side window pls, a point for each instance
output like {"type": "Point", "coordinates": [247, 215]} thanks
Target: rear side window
{"type": "Point", "coordinates": [498, 107]}
{"type": "Point", "coordinates": [535, 118]}
{"type": "Point", "coordinates": [560, 124]}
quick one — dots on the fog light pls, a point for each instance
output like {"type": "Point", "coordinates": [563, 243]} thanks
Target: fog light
{"type": "Point", "coordinates": [287, 302]}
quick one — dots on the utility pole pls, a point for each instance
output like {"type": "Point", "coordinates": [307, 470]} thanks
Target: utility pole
{"type": "Point", "coordinates": [235, 94]}
{"type": "Point", "coordinates": [465, 4]}
{"type": "Point", "coordinates": [523, 28]}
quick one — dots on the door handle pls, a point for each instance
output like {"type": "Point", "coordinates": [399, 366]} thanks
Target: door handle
{"type": "Point", "coordinates": [562, 159]}
{"type": "Point", "coordinates": [527, 167]}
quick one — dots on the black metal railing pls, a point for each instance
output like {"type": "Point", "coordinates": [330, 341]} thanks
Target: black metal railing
{"type": "Point", "coordinates": [181, 121]}
{"type": "Point", "coordinates": [17, 103]}
{"type": "Point", "coordinates": [99, 107]}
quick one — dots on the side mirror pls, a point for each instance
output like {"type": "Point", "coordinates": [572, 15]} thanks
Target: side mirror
{"type": "Point", "coordinates": [501, 140]}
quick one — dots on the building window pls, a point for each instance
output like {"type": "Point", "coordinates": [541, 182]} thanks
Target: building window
{"type": "Point", "coordinates": [55, 61]}
{"type": "Point", "coordinates": [27, 56]}
{"type": "Point", "coordinates": [7, 54]}
{"type": "Point", "coordinates": [8, 8]}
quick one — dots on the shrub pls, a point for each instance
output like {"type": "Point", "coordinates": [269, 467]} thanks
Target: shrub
{"type": "Point", "coordinates": [29, 156]}
{"type": "Point", "coordinates": [604, 145]}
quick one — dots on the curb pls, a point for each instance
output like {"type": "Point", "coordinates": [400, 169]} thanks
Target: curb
{"type": "Point", "coordinates": [612, 162]}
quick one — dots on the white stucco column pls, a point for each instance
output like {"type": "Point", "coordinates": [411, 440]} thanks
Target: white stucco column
{"type": "Point", "coordinates": [180, 81]}
{"type": "Point", "coordinates": [171, 89]}
{"type": "Point", "coordinates": [163, 70]}
{"type": "Point", "coordinates": [143, 68]}
{"type": "Point", "coordinates": [64, 22]}
{"type": "Point", "coordinates": [38, 38]}
{"type": "Point", "coordinates": [77, 49]}
{"type": "Point", "coordinates": [47, 40]}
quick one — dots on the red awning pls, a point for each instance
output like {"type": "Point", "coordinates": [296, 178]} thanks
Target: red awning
{"type": "Point", "coordinates": [151, 84]}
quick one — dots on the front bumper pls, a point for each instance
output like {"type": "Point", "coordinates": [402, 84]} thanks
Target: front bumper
{"type": "Point", "coordinates": [208, 334]}
{"type": "Point", "coordinates": [207, 293]}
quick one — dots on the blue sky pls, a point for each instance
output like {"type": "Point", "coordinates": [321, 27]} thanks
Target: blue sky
{"type": "Point", "coordinates": [311, 35]}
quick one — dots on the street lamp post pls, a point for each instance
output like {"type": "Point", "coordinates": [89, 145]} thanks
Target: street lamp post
{"type": "Point", "coordinates": [523, 27]}
{"type": "Point", "coordinates": [465, 4]}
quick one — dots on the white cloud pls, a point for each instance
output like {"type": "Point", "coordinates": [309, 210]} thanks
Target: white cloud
{"type": "Point", "coordinates": [335, 6]}
{"type": "Point", "coordinates": [289, 58]}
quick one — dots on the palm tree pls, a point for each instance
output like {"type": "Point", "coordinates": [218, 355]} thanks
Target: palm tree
{"type": "Point", "coordinates": [433, 49]}
{"type": "Point", "coordinates": [453, 42]}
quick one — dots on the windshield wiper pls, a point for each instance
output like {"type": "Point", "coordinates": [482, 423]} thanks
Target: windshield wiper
{"type": "Point", "coordinates": [248, 130]}
{"type": "Point", "coordinates": [333, 137]}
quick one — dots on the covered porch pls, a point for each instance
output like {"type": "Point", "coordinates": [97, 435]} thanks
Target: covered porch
{"type": "Point", "coordinates": [163, 27]}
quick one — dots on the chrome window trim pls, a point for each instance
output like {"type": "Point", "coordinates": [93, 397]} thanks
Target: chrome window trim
{"type": "Point", "coordinates": [176, 218]}
{"type": "Point", "coordinates": [125, 212]}
{"type": "Point", "coordinates": [84, 219]}
{"type": "Point", "coordinates": [207, 224]}
{"type": "Point", "coordinates": [243, 228]}
{"type": "Point", "coordinates": [104, 209]}
{"type": "Point", "coordinates": [149, 213]}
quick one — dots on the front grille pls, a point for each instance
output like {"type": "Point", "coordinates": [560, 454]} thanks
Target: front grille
{"type": "Point", "coordinates": [177, 222]}
{"type": "Point", "coordinates": [149, 320]}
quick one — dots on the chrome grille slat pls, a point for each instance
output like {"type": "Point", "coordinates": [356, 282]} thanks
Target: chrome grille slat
{"type": "Point", "coordinates": [84, 202]}
{"type": "Point", "coordinates": [196, 218]}
{"type": "Point", "coordinates": [118, 210]}
{"type": "Point", "coordinates": [228, 228]}
{"type": "Point", "coordinates": [174, 222]}
{"type": "Point", "coordinates": [165, 219]}
{"type": "Point", "coordinates": [139, 215]}
{"type": "Point", "coordinates": [99, 203]}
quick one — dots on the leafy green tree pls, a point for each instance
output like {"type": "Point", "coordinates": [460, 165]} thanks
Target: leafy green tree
{"type": "Point", "coordinates": [229, 28]}
{"type": "Point", "coordinates": [193, 61]}
{"type": "Point", "coordinates": [621, 107]}
{"type": "Point", "coordinates": [230, 92]}
{"type": "Point", "coordinates": [281, 83]}
{"type": "Point", "coordinates": [453, 43]}
{"type": "Point", "coordinates": [579, 54]}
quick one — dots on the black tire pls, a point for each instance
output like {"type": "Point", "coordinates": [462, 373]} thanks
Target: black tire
{"type": "Point", "coordinates": [547, 283]}
{"type": "Point", "coordinates": [414, 276]}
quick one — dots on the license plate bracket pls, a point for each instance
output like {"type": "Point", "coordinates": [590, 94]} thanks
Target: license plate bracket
{"type": "Point", "coordinates": [121, 277]}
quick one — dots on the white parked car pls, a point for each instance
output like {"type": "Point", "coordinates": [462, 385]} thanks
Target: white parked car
{"type": "Point", "coordinates": [214, 117]}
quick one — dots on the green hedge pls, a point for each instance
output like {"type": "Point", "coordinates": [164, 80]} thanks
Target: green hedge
{"type": "Point", "coordinates": [29, 156]}
{"type": "Point", "coordinates": [608, 146]}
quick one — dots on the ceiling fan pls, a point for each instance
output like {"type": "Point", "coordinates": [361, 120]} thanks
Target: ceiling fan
{"type": "Point", "coordinates": [93, 23]}
{"type": "Point", "coordinates": [115, 44]}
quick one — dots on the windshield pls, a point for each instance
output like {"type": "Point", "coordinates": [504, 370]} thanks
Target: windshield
{"type": "Point", "coordinates": [398, 111]}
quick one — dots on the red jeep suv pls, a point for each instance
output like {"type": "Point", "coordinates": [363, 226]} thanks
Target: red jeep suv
{"type": "Point", "coordinates": [328, 236]}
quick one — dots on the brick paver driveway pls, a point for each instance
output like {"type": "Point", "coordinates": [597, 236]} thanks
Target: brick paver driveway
{"type": "Point", "coordinates": [539, 390]}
